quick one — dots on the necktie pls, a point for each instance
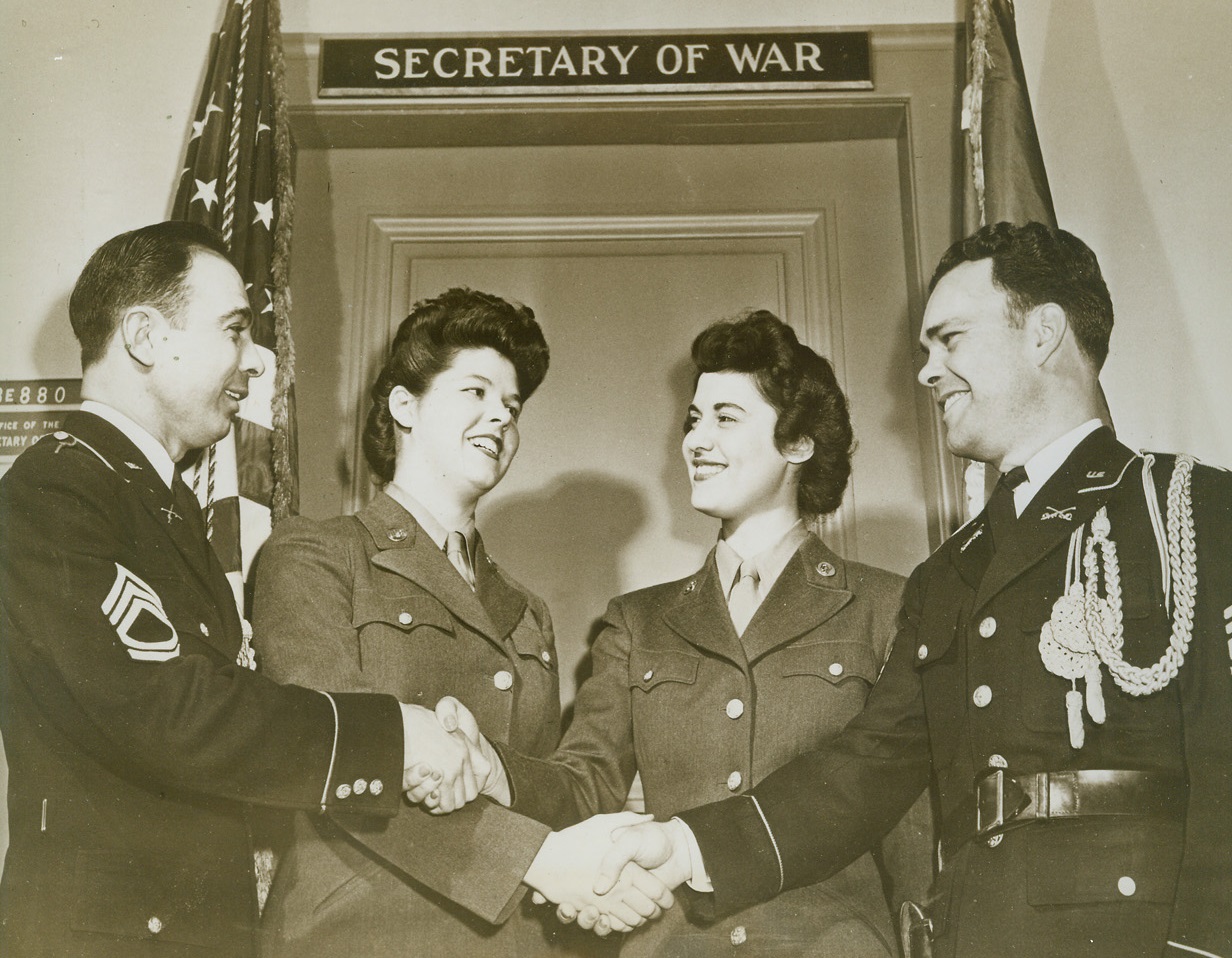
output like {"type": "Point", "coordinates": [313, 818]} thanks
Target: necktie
{"type": "Point", "coordinates": [743, 599]}
{"type": "Point", "coordinates": [186, 504]}
{"type": "Point", "coordinates": [455, 549]}
{"type": "Point", "coordinates": [1002, 513]}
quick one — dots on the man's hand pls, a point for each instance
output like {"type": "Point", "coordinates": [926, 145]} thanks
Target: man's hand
{"type": "Point", "coordinates": [659, 847]}
{"type": "Point", "coordinates": [564, 872]}
{"type": "Point", "coordinates": [440, 763]}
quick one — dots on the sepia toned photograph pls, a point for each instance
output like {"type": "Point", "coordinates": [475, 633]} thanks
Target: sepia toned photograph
{"type": "Point", "coordinates": [667, 479]}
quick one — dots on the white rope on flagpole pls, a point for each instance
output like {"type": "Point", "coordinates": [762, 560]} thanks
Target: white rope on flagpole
{"type": "Point", "coordinates": [228, 210]}
{"type": "Point", "coordinates": [233, 148]}
{"type": "Point", "coordinates": [980, 61]}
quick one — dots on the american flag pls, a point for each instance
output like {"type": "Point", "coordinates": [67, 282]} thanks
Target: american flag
{"type": "Point", "coordinates": [1005, 176]}
{"type": "Point", "coordinates": [237, 178]}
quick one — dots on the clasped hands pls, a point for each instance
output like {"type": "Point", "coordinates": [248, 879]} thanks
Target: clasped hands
{"type": "Point", "coordinates": [609, 873]}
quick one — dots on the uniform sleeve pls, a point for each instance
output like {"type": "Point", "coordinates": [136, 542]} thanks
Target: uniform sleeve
{"type": "Point", "coordinates": [1201, 916]}
{"type": "Point", "coordinates": [592, 770]}
{"type": "Point", "coordinates": [475, 856]}
{"type": "Point", "coordinates": [824, 808]}
{"type": "Point", "coordinates": [94, 648]}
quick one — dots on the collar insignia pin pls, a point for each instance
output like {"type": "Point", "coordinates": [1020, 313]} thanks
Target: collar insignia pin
{"type": "Point", "coordinates": [975, 535]}
{"type": "Point", "coordinates": [1096, 475]}
{"type": "Point", "coordinates": [1067, 513]}
{"type": "Point", "coordinates": [170, 512]}
{"type": "Point", "coordinates": [132, 465]}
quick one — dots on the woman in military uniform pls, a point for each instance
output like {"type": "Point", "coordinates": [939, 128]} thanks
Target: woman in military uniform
{"type": "Point", "coordinates": [707, 684]}
{"type": "Point", "coordinates": [403, 598]}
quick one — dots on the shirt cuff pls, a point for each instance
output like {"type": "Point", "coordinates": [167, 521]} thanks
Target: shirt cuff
{"type": "Point", "coordinates": [700, 881]}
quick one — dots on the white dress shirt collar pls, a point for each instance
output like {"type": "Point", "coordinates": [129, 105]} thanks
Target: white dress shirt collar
{"type": "Point", "coordinates": [150, 447]}
{"type": "Point", "coordinates": [1044, 464]}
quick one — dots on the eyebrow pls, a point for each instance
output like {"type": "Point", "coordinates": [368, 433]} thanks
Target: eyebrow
{"type": "Point", "coordinates": [242, 312]}
{"type": "Point", "coordinates": [484, 379]}
{"type": "Point", "coordinates": [934, 332]}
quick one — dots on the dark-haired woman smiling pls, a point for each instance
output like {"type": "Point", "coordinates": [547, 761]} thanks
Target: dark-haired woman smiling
{"type": "Point", "coordinates": [707, 684]}
{"type": "Point", "coordinates": [403, 598]}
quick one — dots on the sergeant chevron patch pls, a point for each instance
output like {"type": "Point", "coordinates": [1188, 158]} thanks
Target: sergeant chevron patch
{"type": "Point", "coordinates": [140, 621]}
{"type": "Point", "coordinates": [1227, 627]}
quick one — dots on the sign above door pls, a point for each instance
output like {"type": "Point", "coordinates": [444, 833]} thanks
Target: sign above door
{"type": "Point", "coordinates": [600, 63]}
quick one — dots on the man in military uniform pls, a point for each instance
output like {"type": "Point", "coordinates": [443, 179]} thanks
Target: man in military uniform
{"type": "Point", "coordinates": [136, 734]}
{"type": "Point", "coordinates": [1061, 671]}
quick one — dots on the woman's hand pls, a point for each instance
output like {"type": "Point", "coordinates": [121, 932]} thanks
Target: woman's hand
{"type": "Point", "coordinates": [424, 782]}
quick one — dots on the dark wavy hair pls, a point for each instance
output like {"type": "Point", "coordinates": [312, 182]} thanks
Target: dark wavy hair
{"type": "Point", "coordinates": [1035, 264]}
{"type": "Point", "coordinates": [427, 342]}
{"type": "Point", "coordinates": [143, 267]}
{"type": "Point", "coordinates": [801, 387]}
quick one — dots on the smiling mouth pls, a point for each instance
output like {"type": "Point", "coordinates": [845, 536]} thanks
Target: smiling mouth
{"type": "Point", "coordinates": [236, 394]}
{"type": "Point", "coordinates": [703, 470]}
{"type": "Point", "coordinates": [488, 445]}
{"type": "Point", "coordinates": [952, 400]}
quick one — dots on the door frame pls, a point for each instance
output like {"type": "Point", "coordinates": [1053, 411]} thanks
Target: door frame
{"type": "Point", "coordinates": [917, 71]}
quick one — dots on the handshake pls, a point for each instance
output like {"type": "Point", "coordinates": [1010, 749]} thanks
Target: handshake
{"type": "Point", "coordinates": [609, 873]}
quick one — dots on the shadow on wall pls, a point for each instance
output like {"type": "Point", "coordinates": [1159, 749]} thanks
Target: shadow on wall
{"type": "Point", "coordinates": [318, 314]}
{"type": "Point", "coordinates": [566, 542]}
{"type": "Point", "coordinates": [55, 340]}
{"type": "Point", "coordinates": [1111, 210]}
{"type": "Point", "coordinates": [673, 478]}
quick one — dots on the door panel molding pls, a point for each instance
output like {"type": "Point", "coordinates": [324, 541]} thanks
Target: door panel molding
{"type": "Point", "coordinates": [804, 242]}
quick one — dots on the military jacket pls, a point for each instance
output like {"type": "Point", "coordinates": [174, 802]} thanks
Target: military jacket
{"type": "Point", "coordinates": [702, 712]}
{"type": "Point", "coordinates": [135, 741]}
{"type": "Point", "coordinates": [966, 689]}
{"type": "Point", "coordinates": [368, 602]}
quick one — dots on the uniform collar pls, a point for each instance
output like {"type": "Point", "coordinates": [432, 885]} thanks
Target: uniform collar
{"type": "Point", "coordinates": [428, 522]}
{"type": "Point", "coordinates": [140, 437]}
{"type": "Point", "coordinates": [1044, 464]}
{"type": "Point", "coordinates": [770, 562]}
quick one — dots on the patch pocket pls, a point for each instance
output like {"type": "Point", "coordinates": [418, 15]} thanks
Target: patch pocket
{"type": "Point", "coordinates": [403, 612]}
{"type": "Point", "coordinates": [835, 662]}
{"type": "Point", "coordinates": [650, 669]}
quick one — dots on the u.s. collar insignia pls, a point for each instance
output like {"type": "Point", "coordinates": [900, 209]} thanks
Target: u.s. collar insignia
{"type": "Point", "coordinates": [975, 535]}
{"type": "Point", "coordinates": [1097, 474]}
{"type": "Point", "coordinates": [132, 465]}
{"type": "Point", "coordinates": [1066, 513]}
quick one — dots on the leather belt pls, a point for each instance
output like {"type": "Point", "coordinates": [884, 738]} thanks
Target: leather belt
{"type": "Point", "coordinates": [1001, 801]}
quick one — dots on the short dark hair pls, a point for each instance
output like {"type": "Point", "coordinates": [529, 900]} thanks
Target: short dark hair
{"type": "Point", "coordinates": [1035, 264]}
{"type": "Point", "coordinates": [427, 342]}
{"type": "Point", "coordinates": [143, 267]}
{"type": "Point", "coordinates": [801, 387]}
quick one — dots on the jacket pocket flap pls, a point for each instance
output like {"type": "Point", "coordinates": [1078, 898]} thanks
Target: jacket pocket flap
{"type": "Point", "coordinates": [833, 661]}
{"type": "Point", "coordinates": [118, 895]}
{"type": "Point", "coordinates": [1130, 861]}
{"type": "Point", "coordinates": [936, 632]}
{"type": "Point", "coordinates": [405, 612]}
{"type": "Point", "coordinates": [650, 668]}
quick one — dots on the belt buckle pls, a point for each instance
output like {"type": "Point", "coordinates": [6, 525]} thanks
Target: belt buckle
{"type": "Point", "coordinates": [990, 790]}
{"type": "Point", "coordinates": [915, 931]}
